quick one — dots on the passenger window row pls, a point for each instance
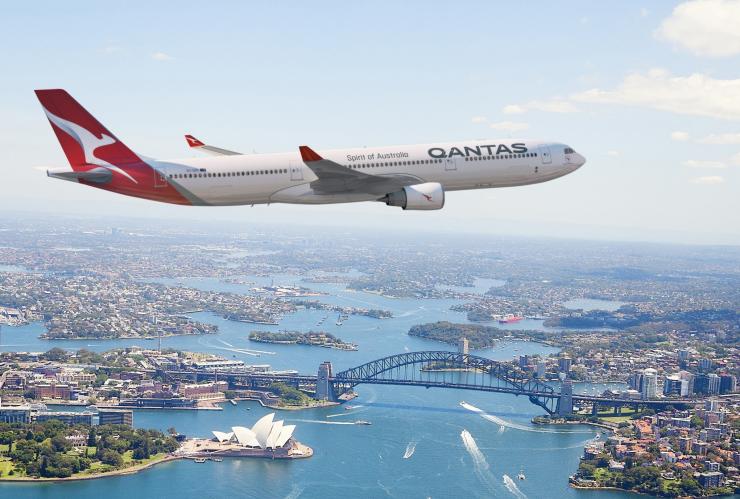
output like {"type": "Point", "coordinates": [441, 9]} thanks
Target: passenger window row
{"type": "Point", "coordinates": [505, 156]}
{"type": "Point", "coordinates": [228, 174]}
{"type": "Point", "coordinates": [394, 163]}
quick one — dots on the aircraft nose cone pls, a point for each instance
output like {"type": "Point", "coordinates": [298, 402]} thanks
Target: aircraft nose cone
{"type": "Point", "coordinates": [580, 160]}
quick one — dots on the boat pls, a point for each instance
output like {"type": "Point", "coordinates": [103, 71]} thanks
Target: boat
{"type": "Point", "coordinates": [521, 475]}
{"type": "Point", "coordinates": [233, 402]}
{"type": "Point", "coordinates": [217, 459]}
{"type": "Point", "coordinates": [363, 422]}
{"type": "Point", "coordinates": [510, 319]}
{"type": "Point", "coordinates": [348, 407]}
{"type": "Point", "coordinates": [200, 460]}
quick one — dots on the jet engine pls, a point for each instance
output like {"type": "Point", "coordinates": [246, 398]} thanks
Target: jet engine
{"type": "Point", "coordinates": [428, 196]}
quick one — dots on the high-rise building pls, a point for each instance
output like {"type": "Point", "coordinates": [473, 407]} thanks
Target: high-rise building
{"type": "Point", "coordinates": [649, 384]}
{"type": "Point", "coordinates": [675, 386]}
{"type": "Point", "coordinates": [706, 384]}
{"type": "Point", "coordinates": [705, 364]}
{"type": "Point", "coordinates": [541, 369]}
{"type": "Point", "coordinates": [523, 361]}
{"type": "Point", "coordinates": [564, 364]}
{"type": "Point", "coordinates": [727, 383]}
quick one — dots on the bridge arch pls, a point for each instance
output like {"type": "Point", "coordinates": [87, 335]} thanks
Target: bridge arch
{"type": "Point", "coordinates": [489, 375]}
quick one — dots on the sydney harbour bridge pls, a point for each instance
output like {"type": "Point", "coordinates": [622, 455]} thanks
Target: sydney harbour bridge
{"type": "Point", "coordinates": [432, 369]}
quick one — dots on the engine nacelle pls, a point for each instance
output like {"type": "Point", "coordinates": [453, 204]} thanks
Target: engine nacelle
{"type": "Point", "coordinates": [428, 196]}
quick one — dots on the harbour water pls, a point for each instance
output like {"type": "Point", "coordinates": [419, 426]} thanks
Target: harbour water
{"type": "Point", "coordinates": [350, 460]}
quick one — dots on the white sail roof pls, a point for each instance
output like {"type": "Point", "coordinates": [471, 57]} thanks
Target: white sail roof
{"type": "Point", "coordinates": [285, 433]}
{"type": "Point", "coordinates": [245, 436]}
{"type": "Point", "coordinates": [222, 437]}
{"type": "Point", "coordinates": [274, 433]}
{"type": "Point", "coordinates": [261, 429]}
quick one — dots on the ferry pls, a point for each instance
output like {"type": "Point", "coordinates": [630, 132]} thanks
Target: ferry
{"type": "Point", "coordinates": [363, 422]}
{"type": "Point", "coordinates": [200, 460]}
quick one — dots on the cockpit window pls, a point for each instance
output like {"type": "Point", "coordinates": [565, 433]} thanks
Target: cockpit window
{"type": "Point", "coordinates": [568, 150]}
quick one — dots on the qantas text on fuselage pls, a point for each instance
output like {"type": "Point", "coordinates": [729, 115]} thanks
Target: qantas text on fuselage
{"type": "Point", "coordinates": [413, 177]}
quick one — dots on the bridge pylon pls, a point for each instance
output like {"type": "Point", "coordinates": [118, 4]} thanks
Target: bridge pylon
{"type": "Point", "coordinates": [324, 386]}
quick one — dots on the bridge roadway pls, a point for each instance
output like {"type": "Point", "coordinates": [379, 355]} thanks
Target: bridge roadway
{"type": "Point", "coordinates": [431, 370]}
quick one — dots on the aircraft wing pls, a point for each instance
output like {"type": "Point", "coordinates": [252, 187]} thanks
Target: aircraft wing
{"type": "Point", "coordinates": [334, 178]}
{"type": "Point", "coordinates": [216, 151]}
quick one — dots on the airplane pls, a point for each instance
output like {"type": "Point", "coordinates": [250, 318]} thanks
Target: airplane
{"type": "Point", "coordinates": [412, 177]}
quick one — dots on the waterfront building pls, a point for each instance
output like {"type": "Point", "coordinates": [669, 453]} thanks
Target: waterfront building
{"type": "Point", "coordinates": [115, 416]}
{"type": "Point", "coordinates": [265, 434]}
{"type": "Point", "coordinates": [70, 418]}
{"type": "Point", "coordinates": [710, 479]}
{"type": "Point", "coordinates": [649, 384]}
{"type": "Point", "coordinates": [159, 403]}
{"type": "Point", "coordinates": [15, 414]}
{"type": "Point", "coordinates": [219, 365]}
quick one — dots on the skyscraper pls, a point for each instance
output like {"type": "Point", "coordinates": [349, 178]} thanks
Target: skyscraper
{"type": "Point", "coordinates": [649, 384]}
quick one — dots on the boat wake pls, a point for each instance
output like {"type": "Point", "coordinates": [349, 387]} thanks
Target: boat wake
{"type": "Point", "coordinates": [480, 465]}
{"type": "Point", "coordinates": [350, 412]}
{"type": "Point", "coordinates": [512, 487]}
{"type": "Point", "coordinates": [508, 424]}
{"type": "Point", "coordinates": [410, 449]}
{"type": "Point", "coordinates": [317, 421]}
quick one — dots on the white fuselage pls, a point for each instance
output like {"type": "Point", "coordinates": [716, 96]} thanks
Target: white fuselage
{"type": "Point", "coordinates": [285, 178]}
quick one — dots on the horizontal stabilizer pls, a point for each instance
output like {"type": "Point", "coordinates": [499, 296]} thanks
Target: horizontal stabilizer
{"type": "Point", "coordinates": [216, 151]}
{"type": "Point", "coordinates": [97, 175]}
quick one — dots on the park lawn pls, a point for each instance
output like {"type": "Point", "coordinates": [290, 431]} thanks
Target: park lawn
{"type": "Point", "coordinates": [6, 465]}
{"type": "Point", "coordinates": [4, 447]}
{"type": "Point", "coordinates": [602, 475]}
{"type": "Point", "coordinates": [614, 419]}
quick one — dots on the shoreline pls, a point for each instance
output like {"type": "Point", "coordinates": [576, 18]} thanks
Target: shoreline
{"type": "Point", "coordinates": [125, 471]}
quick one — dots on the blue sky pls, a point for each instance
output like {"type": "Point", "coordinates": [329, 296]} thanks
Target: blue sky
{"type": "Point", "coordinates": [649, 92]}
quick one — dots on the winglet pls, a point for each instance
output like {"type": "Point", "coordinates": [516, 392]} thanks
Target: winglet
{"type": "Point", "coordinates": [308, 154]}
{"type": "Point", "coordinates": [193, 142]}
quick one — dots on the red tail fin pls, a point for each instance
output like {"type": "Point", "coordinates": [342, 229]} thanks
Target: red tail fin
{"type": "Point", "coordinates": [83, 139]}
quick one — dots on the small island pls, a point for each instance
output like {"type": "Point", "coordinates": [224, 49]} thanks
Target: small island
{"type": "Point", "coordinates": [313, 338]}
{"type": "Point", "coordinates": [51, 450]}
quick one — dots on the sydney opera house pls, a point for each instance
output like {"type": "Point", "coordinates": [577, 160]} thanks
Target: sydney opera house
{"type": "Point", "coordinates": [267, 438]}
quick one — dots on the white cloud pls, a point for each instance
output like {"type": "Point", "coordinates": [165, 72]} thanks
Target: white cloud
{"type": "Point", "coordinates": [700, 163]}
{"type": "Point", "coordinates": [712, 180]}
{"type": "Point", "coordinates": [479, 119]}
{"type": "Point", "coordinates": [736, 159]}
{"type": "Point", "coordinates": [111, 49]}
{"type": "Point", "coordinates": [514, 109]}
{"type": "Point", "coordinates": [614, 154]}
{"type": "Point", "coordinates": [509, 126]}
{"type": "Point", "coordinates": [161, 56]}
{"type": "Point", "coordinates": [721, 138]}
{"type": "Point", "coordinates": [696, 94]}
{"type": "Point", "coordinates": [551, 106]}
{"type": "Point", "coordinates": [704, 27]}
{"type": "Point", "coordinates": [679, 136]}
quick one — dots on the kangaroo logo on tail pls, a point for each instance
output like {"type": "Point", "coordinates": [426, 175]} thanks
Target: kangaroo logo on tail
{"type": "Point", "coordinates": [88, 141]}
